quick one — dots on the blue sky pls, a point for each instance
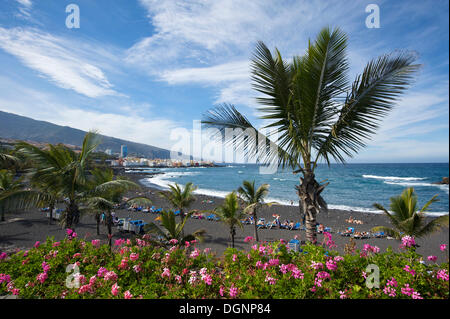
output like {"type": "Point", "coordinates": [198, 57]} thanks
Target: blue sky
{"type": "Point", "coordinates": [143, 69]}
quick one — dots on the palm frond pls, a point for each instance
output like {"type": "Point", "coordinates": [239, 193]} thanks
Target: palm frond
{"type": "Point", "coordinates": [372, 96]}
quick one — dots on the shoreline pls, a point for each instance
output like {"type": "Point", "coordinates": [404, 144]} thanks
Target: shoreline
{"type": "Point", "coordinates": [31, 226]}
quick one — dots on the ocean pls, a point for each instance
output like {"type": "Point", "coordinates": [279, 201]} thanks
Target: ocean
{"type": "Point", "coordinates": [352, 186]}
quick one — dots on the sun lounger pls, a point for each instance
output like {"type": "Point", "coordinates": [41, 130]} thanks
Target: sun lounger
{"type": "Point", "coordinates": [379, 234]}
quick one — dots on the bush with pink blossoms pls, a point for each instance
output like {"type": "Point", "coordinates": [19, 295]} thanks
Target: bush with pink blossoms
{"type": "Point", "coordinates": [142, 268]}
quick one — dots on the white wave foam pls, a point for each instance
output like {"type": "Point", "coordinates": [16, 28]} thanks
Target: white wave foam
{"type": "Point", "coordinates": [445, 188]}
{"type": "Point", "coordinates": [162, 181]}
{"type": "Point", "coordinates": [394, 178]}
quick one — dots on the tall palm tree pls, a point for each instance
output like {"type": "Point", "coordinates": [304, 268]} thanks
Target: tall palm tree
{"type": "Point", "coordinates": [253, 199]}
{"type": "Point", "coordinates": [315, 112]}
{"type": "Point", "coordinates": [180, 199]}
{"type": "Point", "coordinates": [406, 219]}
{"type": "Point", "coordinates": [230, 214]}
{"type": "Point", "coordinates": [65, 169]}
{"type": "Point", "coordinates": [172, 230]}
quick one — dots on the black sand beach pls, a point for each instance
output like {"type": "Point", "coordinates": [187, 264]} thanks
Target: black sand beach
{"type": "Point", "coordinates": [22, 230]}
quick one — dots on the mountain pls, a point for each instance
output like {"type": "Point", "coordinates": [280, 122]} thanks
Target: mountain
{"type": "Point", "coordinates": [17, 127]}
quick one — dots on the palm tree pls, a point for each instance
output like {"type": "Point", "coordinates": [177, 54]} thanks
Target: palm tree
{"type": "Point", "coordinates": [180, 199]}
{"type": "Point", "coordinates": [8, 187]}
{"type": "Point", "coordinates": [230, 214]}
{"type": "Point", "coordinates": [104, 193]}
{"type": "Point", "coordinates": [253, 199]}
{"type": "Point", "coordinates": [314, 110]}
{"type": "Point", "coordinates": [173, 230]}
{"type": "Point", "coordinates": [405, 218]}
{"type": "Point", "coordinates": [65, 169]}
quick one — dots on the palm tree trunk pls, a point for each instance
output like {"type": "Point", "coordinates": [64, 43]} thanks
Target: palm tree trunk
{"type": "Point", "coordinates": [3, 214]}
{"type": "Point", "coordinates": [97, 219]}
{"type": "Point", "coordinates": [256, 227]}
{"type": "Point", "coordinates": [309, 193]}
{"type": "Point", "coordinates": [182, 219]}
{"type": "Point", "coordinates": [51, 207]}
{"type": "Point", "coordinates": [232, 233]}
{"type": "Point", "coordinates": [109, 225]}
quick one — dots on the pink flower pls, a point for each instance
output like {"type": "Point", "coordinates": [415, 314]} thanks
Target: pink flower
{"type": "Point", "coordinates": [102, 271]}
{"type": "Point", "coordinates": [173, 241]}
{"type": "Point", "coordinates": [84, 289]}
{"type": "Point", "coordinates": [408, 241]}
{"type": "Point", "coordinates": [342, 294]}
{"type": "Point", "coordinates": [4, 278]}
{"type": "Point", "coordinates": [233, 291]}
{"type": "Point", "coordinates": [443, 247]}
{"type": "Point", "coordinates": [119, 242]}
{"type": "Point", "coordinates": [195, 253]}
{"type": "Point", "coordinates": [410, 270]}
{"type": "Point", "coordinates": [234, 257]}
{"type": "Point", "coordinates": [441, 274]}
{"type": "Point", "coordinates": [15, 291]}
{"type": "Point", "coordinates": [432, 258]}
{"type": "Point", "coordinates": [274, 262]}
{"type": "Point", "coordinates": [115, 289]}
{"type": "Point", "coordinates": [316, 265]}
{"type": "Point", "coordinates": [207, 279]}
{"type": "Point", "coordinates": [389, 291]}
{"type": "Point", "coordinates": [45, 266]}
{"type": "Point", "coordinates": [249, 239]}
{"type": "Point", "coordinates": [124, 263]}
{"type": "Point", "coordinates": [221, 290]}
{"type": "Point", "coordinates": [3, 256]}
{"type": "Point", "coordinates": [36, 244]}
{"type": "Point", "coordinates": [137, 268]}
{"type": "Point", "coordinates": [76, 255]}
{"type": "Point", "coordinates": [392, 282]}
{"type": "Point", "coordinates": [95, 242]}
{"type": "Point", "coordinates": [166, 273]}
{"type": "Point", "coordinates": [110, 275]}
{"type": "Point", "coordinates": [178, 279]}
{"type": "Point", "coordinates": [42, 277]}
{"type": "Point", "coordinates": [331, 265]}
{"type": "Point", "coordinates": [270, 280]}
{"type": "Point", "coordinates": [127, 295]}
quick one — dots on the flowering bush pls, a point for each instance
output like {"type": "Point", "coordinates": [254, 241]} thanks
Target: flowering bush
{"type": "Point", "coordinates": [142, 269]}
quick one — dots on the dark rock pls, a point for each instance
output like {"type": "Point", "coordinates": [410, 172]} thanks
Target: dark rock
{"type": "Point", "coordinates": [443, 182]}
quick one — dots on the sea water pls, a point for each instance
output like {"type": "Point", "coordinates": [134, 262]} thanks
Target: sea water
{"type": "Point", "coordinates": [351, 187]}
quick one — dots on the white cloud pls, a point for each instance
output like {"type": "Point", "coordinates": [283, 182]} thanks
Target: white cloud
{"type": "Point", "coordinates": [57, 60]}
{"type": "Point", "coordinates": [232, 71]}
{"type": "Point", "coordinates": [39, 105]}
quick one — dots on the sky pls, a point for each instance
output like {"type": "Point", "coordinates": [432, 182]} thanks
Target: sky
{"type": "Point", "coordinates": [145, 70]}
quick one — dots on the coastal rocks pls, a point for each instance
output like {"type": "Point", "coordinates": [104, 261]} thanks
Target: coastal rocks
{"type": "Point", "coordinates": [443, 182]}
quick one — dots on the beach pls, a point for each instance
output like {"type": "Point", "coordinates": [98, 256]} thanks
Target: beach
{"type": "Point", "coordinates": [21, 230]}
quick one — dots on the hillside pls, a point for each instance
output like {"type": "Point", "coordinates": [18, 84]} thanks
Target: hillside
{"type": "Point", "coordinates": [13, 126]}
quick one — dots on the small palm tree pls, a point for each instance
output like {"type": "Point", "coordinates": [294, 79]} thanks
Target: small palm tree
{"type": "Point", "coordinates": [405, 218]}
{"type": "Point", "coordinates": [253, 199]}
{"type": "Point", "coordinates": [180, 199]}
{"type": "Point", "coordinates": [230, 214]}
{"type": "Point", "coordinates": [104, 193]}
{"type": "Point", "coordinates": [172, 230]}
{"type": "Point", "coordinates": [313, 108]}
